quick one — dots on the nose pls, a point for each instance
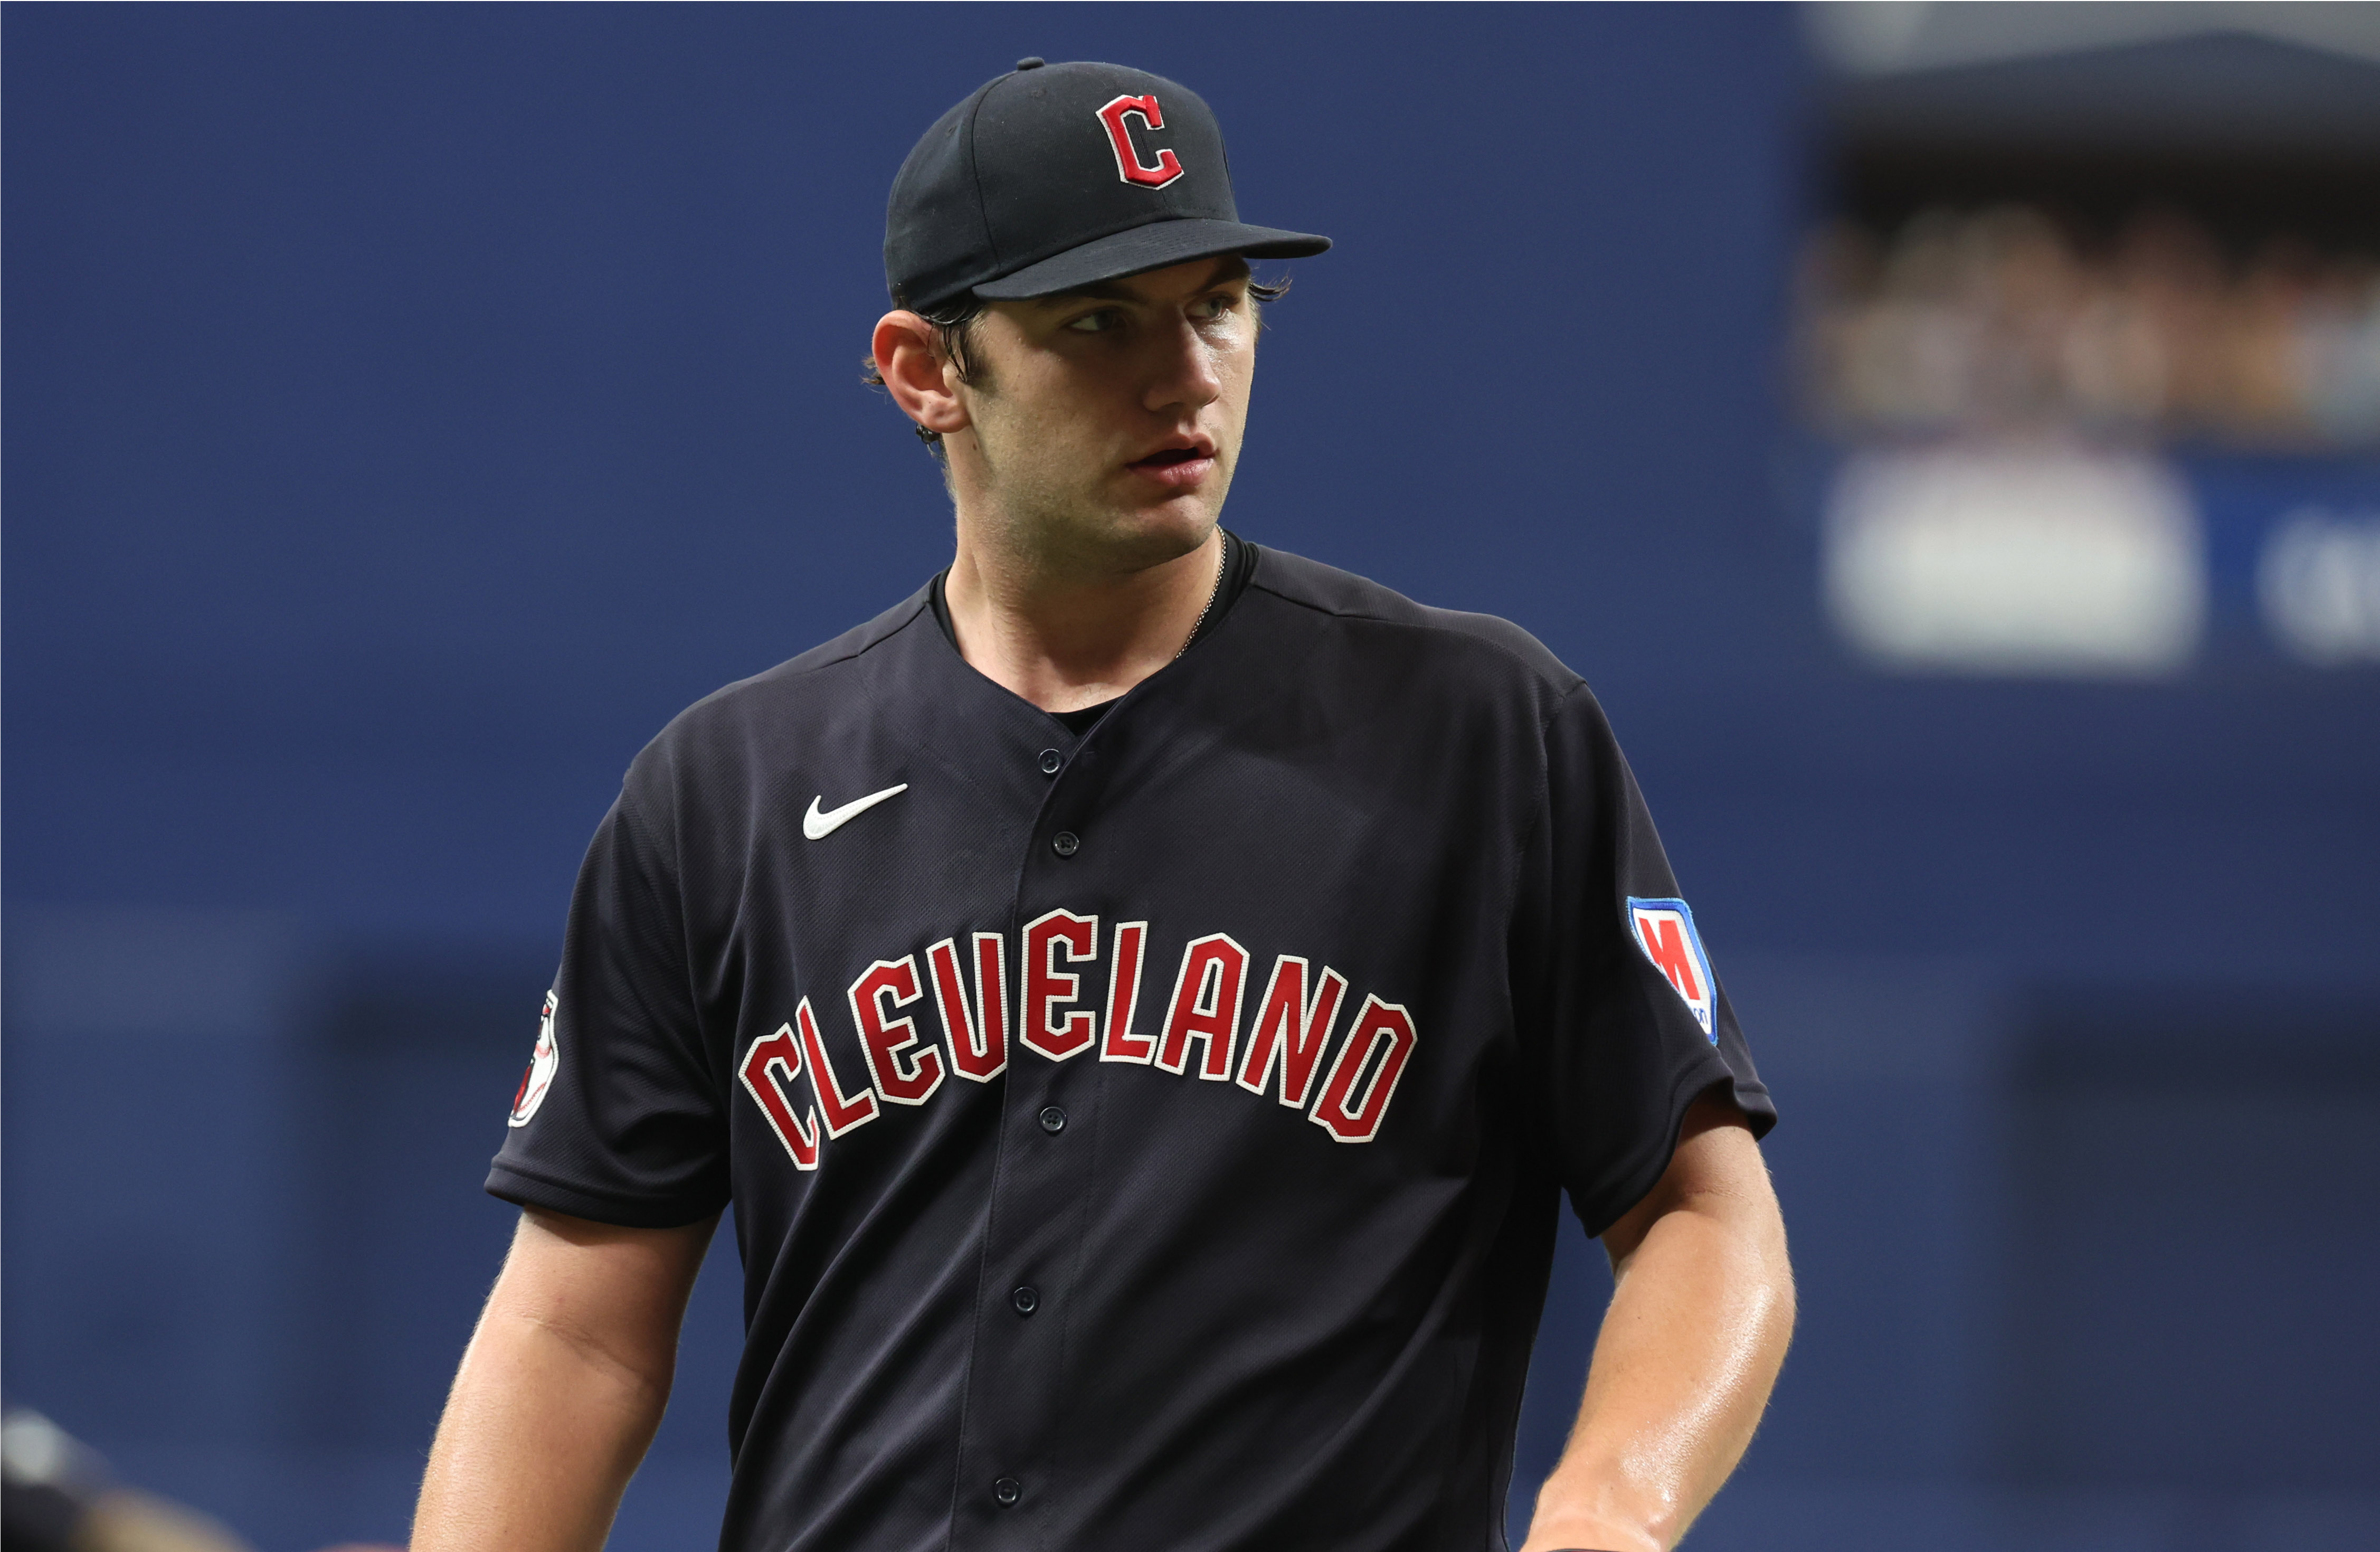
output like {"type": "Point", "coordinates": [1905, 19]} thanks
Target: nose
{"type": "Point", "coordinates": [1187, 372]}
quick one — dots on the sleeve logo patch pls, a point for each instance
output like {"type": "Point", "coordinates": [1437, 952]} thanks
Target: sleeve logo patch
{"type": "Point", "coordinates": [1665, 930]}
{"type": "Point", "coordinates": [541, 1063]}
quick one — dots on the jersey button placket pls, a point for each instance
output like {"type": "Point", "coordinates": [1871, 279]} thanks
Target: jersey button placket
{"type": "Point", "coordinates": [1017, 1424]}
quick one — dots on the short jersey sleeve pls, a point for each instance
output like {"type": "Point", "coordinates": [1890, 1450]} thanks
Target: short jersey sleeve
{"type": "Point", "coordinates": [620, 1117]}
{"type": "Point", "coordinates": [1623, 1023]}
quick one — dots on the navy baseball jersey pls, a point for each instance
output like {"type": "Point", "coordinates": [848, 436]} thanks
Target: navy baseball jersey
{"type": "Point", "coordinates": [1150, 1138]}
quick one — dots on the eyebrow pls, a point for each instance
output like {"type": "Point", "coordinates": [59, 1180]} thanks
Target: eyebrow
{"type": "Point", "coordinates": [1227, 267]}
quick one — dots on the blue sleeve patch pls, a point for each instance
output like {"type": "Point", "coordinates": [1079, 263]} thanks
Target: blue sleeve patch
{"type": "Point", "coordinates": [1665, 930]}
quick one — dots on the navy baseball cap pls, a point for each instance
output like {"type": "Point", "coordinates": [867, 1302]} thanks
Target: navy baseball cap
{"type": "Point", "coordinates": [1056, 175]}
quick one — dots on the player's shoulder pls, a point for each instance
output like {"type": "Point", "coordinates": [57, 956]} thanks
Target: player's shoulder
{"type": "Point", "coordinates": [824, 675]}
{"type": "Point", "coordinates": [1460, 642]}
{"type": "Point", "coordinates": [799, 697]}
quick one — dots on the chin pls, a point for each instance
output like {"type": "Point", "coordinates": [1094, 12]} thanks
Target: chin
{"type": "Point", "coordinates": [1191, 513]}
{"type": "Point", "coordinates": [1167, 530]}
{"type": "Point", "coordinates": [1117, 532]}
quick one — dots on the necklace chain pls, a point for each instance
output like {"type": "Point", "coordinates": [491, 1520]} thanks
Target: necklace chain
{"type": "Point", "coordinates": [1223, 555]}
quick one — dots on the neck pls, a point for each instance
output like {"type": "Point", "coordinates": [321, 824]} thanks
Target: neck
{"type": "Point", "coordinates": [1068, 639]}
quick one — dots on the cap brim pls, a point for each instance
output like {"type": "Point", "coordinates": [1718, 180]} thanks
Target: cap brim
{"type": "Point", "coordinates": [1152, 247]}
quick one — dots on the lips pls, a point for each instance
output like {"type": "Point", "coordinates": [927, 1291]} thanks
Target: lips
{"type": "Point", "coordinates": [1178, 465]}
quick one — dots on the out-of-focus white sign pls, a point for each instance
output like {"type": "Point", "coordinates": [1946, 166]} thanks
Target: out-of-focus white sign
{"type": "Point", "coordinates": [2021, 560]}
{"type": "Point", "coordinates": [2318, 581]}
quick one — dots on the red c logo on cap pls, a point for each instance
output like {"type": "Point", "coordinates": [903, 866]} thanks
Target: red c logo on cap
{"type": "Point", "coordinates": [1129, 166]}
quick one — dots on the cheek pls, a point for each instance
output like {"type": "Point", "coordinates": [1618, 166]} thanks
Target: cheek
{"type": "Point", "coordinates": [1237, 364]}
{"type": "Point", "coordinates": [1046, 433]}
{"type": "Point", "coordinates": [1058, 405]}
{"type": "Point", "coordinates": [1239, 378]}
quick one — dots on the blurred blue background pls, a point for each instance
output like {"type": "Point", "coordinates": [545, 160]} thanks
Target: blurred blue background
{"type": "Point", "coordinates": [408, 409]}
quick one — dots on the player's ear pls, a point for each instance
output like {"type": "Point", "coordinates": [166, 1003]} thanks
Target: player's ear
{"type": "Point", "coordinates": [920, 378]}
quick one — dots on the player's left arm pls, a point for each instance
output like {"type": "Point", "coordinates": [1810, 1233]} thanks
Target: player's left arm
{"type": "Point", "coordinates": [1701, 1311]}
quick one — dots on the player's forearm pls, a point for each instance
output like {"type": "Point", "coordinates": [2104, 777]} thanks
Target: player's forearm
{"type": "Point", "coordinates": [1690, 1348]}
{"type": "Point", "coordinates": [538, 1440]}
{"type": "Point", "coordinates": [560, 1388]}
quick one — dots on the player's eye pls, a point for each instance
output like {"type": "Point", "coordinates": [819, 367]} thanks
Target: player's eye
{"type": "Point", "coordinates": [1097, 322]}
{"type": "Point", "coordinates": [1220, 305]}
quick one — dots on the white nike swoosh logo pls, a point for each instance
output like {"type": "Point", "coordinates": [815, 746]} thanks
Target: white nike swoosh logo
{"type": "Point", "coordinates": [817, 826]}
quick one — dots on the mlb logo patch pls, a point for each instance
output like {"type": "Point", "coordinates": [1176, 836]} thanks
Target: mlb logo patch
{"type": "Point", "coordinates": [1665, 930]}
{"type": "Point", "coordinates": [544, 1058]}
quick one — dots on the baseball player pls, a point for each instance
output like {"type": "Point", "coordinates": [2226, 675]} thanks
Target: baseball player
{"type": "Point", "coordinates": [1142, 997]}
